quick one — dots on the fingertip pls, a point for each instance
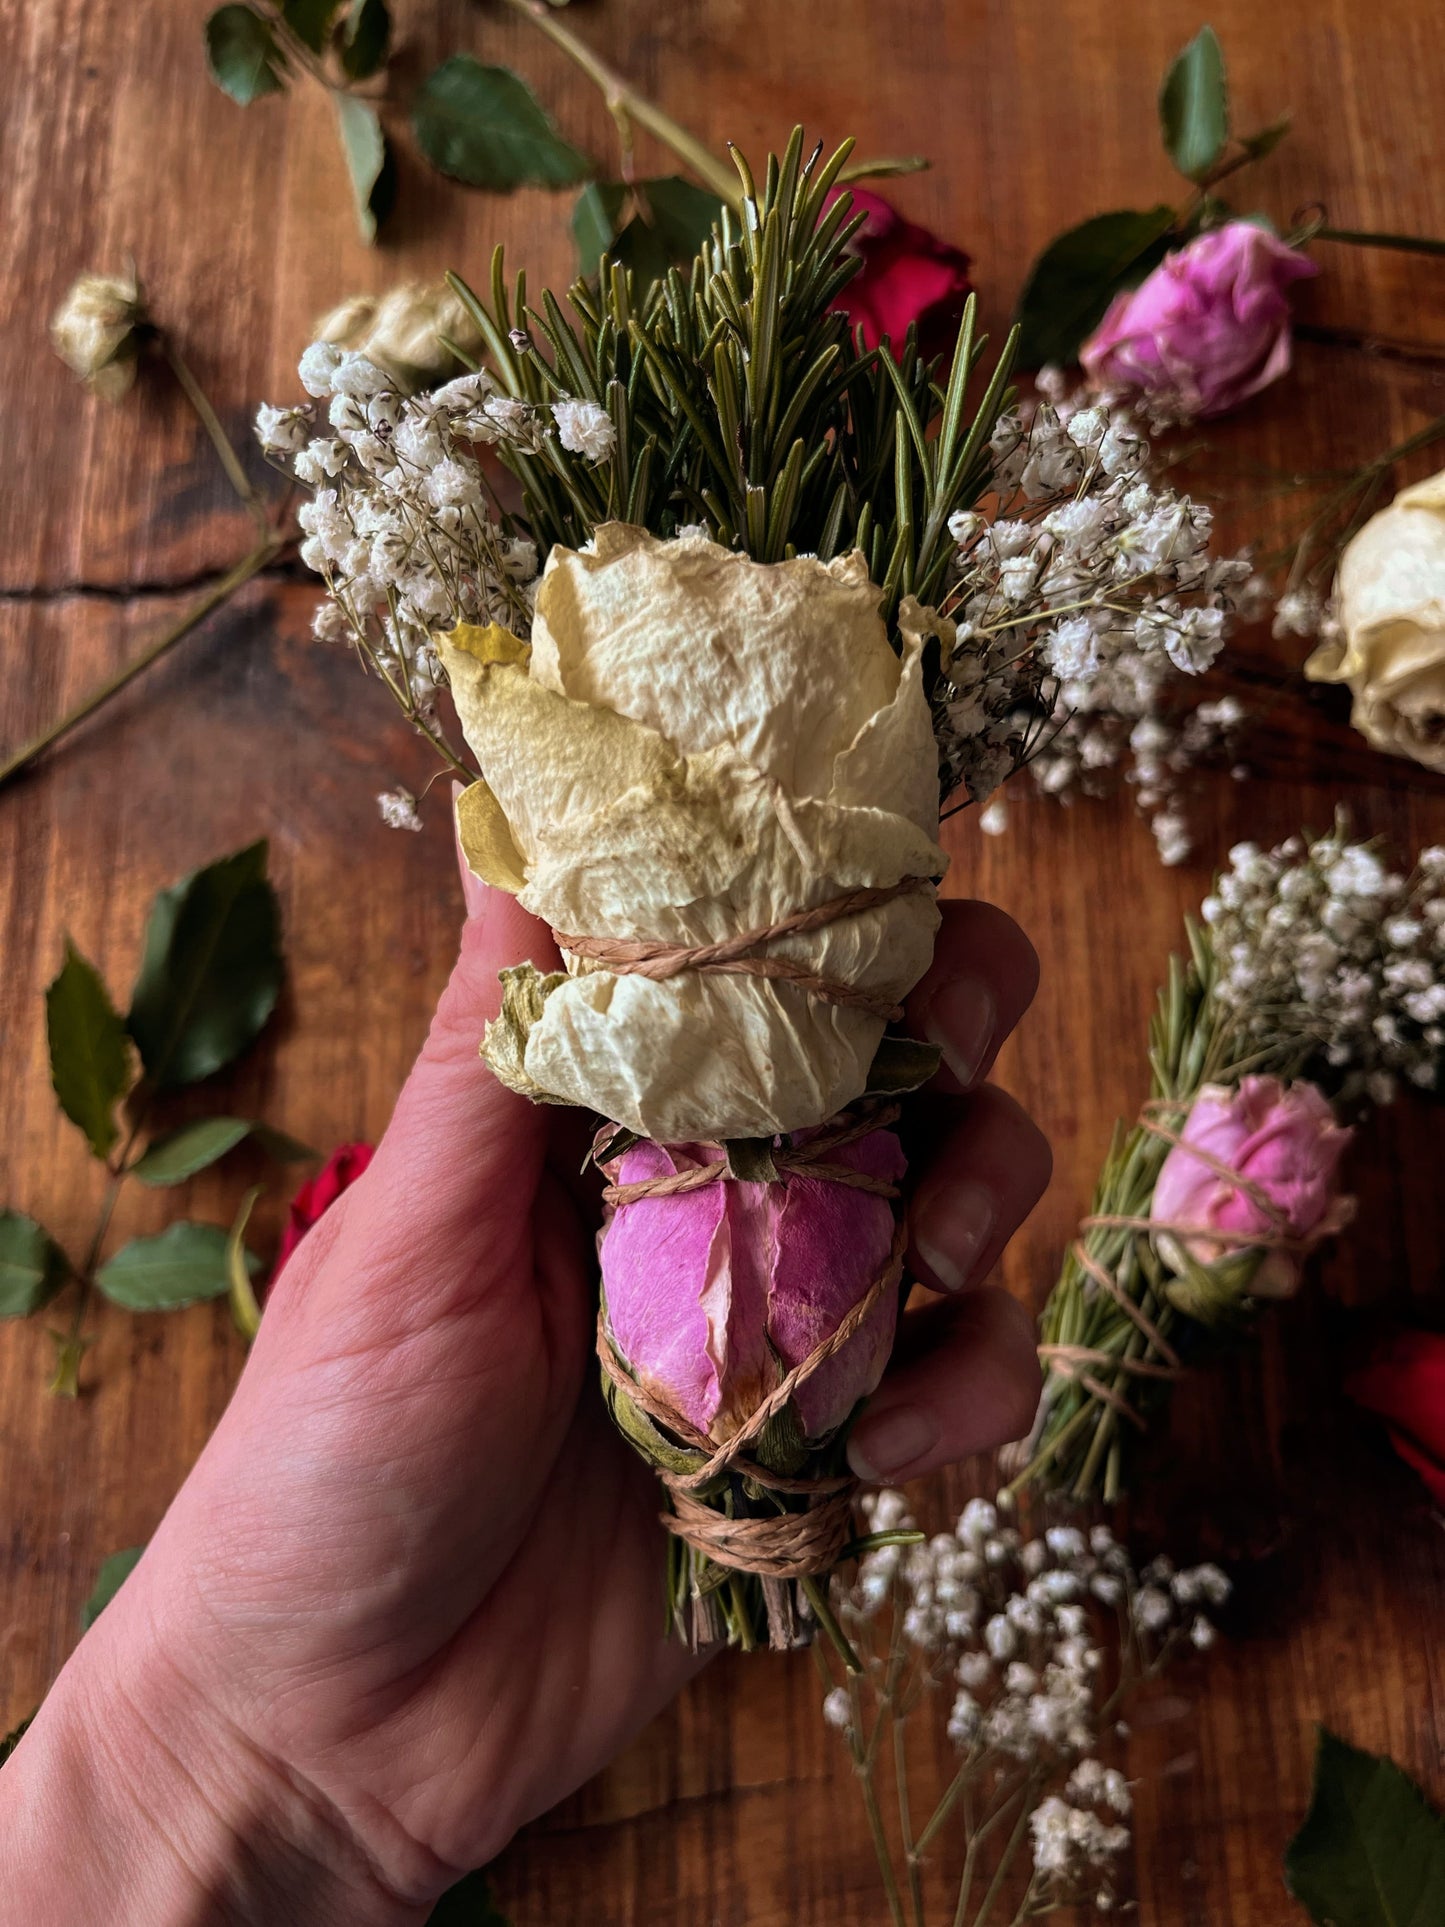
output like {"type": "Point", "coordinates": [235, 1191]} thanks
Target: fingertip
{"type": "Point", "coordinates": [974, 1387]}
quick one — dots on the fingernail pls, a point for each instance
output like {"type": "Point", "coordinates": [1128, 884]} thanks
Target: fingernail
{"type": "Point", "coordinates": [887, 1442]}
{"type": "Point", "coordinates": [474, 891]}
{"type": "Point", "coordinates": [963, 1021]}
{"type": "Point", "coordinates": [951, 1229]}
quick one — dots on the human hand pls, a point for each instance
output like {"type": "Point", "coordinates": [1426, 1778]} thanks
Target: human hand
{"type": "Point", "coordinates": [409, 1596]}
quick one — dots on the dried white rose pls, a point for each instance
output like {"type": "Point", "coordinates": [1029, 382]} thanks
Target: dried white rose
{"type": "Point", "coordinates": [406, 332]}
{"type": "Point", "coordinates": [1391, 652]}
{"type": "Point", "coordinates": [94, 331]}
{"type": "Point", "coordinates": [701, 745]}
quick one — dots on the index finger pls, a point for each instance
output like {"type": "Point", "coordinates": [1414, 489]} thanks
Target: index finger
{"type": "Point", "coordinates": [981, 981]}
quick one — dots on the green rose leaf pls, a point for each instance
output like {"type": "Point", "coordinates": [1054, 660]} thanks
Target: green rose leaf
{"type": "Point", "coordinates": [210, 972]}
{"type": "Point", "coordinates": [1371, 1852]}
{"type": "Point", "coordinates": [90, 1062]}
{"type": "Point", "coordinates": [594, 222]}
{"type": "Point", "coordinates": [682, 215]}
{"type": "Point", "coordinates": [108, 1581]}
{"type": "Point", "coordinates": [1194, 106]}
{"type": "Point", "coordinates": [365, 38]}
{"type": "Point", "coordinates": [470, 1902]}
{"type": "Point", "coordinates": [245, 57]}
{"type": "Point", "coordinates": [1079, 273]}
{"type": "Point", "coordinates": [173, 1159]}
{"type": "Point", "coordinates": [310, 21]}
{"type": "Point", "coordinates": [485, 126]}
{"type": "Point", "coordinates": [373, 178]}
{"type": "Point", "coordinates": [676, 220]}
{"type": "Point", "coordinates": [750, 1160]}
{"type": "Point", "coordinates": [901, 1064]}
{"type": "Point", "coordinates": [179, 1155]}
{"type": "Point", "coordinates": [639, 248]}
{"type": "Point", "coordinates": [184, 1264]}
{"type": "Point", "coordinates": [1267, 139]}
{"type": "Point", "coordinates": [32, 1265]}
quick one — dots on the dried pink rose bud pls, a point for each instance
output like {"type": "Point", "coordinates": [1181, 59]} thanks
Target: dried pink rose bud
{"type": "Point", "coordinates": [1207, 329]}
{"type": "Point", "coordinates": [1284, 1142]}
{"type": "Point", "coordinates": [713, 1294]}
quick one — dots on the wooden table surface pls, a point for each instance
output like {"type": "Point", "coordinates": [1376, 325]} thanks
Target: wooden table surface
{"type": "Point", "coordinates": [736, 1807]}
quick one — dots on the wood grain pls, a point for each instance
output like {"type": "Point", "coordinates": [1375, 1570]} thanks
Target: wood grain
{"type": "Point", "coordinates": [736, 1808]}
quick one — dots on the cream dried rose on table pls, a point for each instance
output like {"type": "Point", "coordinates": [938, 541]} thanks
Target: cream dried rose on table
{"type": "Point", "coordinates": [1391, 595]}
{"type": "Point", "coordinates": [699, 745]}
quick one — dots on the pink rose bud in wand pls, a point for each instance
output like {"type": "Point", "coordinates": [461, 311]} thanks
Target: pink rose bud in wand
{"type": "Point", "coordinates": [714, 1294]}
{"type": "Point", "coordinates": [1207, 329]}
{"type": "Point", "coordinates": [1284, 1143]}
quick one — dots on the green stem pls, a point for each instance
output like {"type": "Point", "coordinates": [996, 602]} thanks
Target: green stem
{"type": "Point", "coordinates": [66, 1383]}
{"type": "Point", "coordinates": [818, 1599]}
{"type": "Point", "coordinates": [1000, 1872]}
{"type": "Point", "coordinates": [863, 1767]}
{"type": "Point", "coordinates": [945, 1806]}
{"type": "Point", "coordinates": [625, 103]}
{"type": "Point", "coordinates": [905, 1819]}
{"type": "Point", "coordinates": [1365, 238]}
{"type": "Point", "coordinates": [220, 591]}
{"type": "Point", "coordinates": [220, 440]}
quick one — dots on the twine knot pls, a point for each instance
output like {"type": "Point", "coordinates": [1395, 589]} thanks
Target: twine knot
{"type": "Point", "coordinates": [740, 956]}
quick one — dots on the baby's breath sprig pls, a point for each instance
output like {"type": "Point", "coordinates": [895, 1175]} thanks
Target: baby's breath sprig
{"type": "Point", "coordinates": [1083, 600]}
{"type": "Point", "coordinates": [1313, 960]}
{"type": "Point", "coordinates": [1028, 1649]}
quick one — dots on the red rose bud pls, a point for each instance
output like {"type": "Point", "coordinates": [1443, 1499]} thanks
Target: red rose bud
{"type": "Point", "coordinates": [318, 1194]}
{"type": "Point", "coordinates": [1404, 1384]}
{"type": "Point", "coordinates": [908, 275]}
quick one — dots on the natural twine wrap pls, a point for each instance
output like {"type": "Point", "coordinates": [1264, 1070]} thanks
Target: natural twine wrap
{"type": "Point", "coordinates": [737, 956]}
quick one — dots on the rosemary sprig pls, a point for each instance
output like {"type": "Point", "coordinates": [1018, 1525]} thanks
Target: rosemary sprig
{"type": "Point", "coordinates": [742, 400]}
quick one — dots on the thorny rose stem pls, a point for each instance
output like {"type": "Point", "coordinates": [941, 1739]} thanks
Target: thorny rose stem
{"type": "Point", "coordinates": [626, 105]}
{"type": "Point", "coordinates": [272, 538]}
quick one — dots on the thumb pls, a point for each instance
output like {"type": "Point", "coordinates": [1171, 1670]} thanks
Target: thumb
{"type": "Point", "coordinates": [460, 1146]}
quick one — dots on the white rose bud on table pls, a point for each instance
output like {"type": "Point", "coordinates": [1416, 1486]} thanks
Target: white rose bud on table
{"type": "Point", "coordinates": [1390, 591]}
{"type": "Point", "coordinates": [699, 746]}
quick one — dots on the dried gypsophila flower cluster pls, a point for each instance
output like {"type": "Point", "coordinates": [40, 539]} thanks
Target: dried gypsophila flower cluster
{"type": "Point", "coordinates": [402, 525]}
{"type": "Point", "coordinates": [1080, 605]}
{"type": "Point", "coordinates": [1319, 939]}
{"type": "Point", "coordinates": [1038, 1640]}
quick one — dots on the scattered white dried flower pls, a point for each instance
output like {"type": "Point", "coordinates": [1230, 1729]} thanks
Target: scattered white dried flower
{"type": "Point", "coordinates": [398, 810]}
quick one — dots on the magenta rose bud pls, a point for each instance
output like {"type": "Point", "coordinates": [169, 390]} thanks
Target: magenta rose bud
{"type": "Point", "coordinates": [1207, 329]}
{"type": "Point", "coordinates": [908, 275]}
{"type": "Point", "coordinates": [714, 1294]}
{"type": "Point", "coordinates": [1284, 1143]}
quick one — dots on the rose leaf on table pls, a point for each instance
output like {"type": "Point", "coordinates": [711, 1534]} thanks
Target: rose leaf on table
{"type": "Point", "coordinates": [210, 975]}
{"type": "Point", "coordinates": [113, 1574]}
{"type": "Point", "coordinates": [1371, 1849]}
{"type": "Point", "coordinates": [485, 126]}
{"type": "Point", "coordinates": [1194, 106]}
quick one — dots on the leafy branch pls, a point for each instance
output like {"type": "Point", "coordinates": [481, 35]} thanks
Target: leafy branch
{"type": "Point", "coordinates": [208, 982]}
